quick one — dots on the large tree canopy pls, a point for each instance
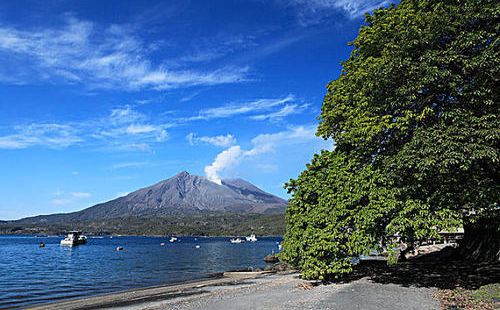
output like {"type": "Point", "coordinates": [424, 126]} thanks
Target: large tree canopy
{"type": "Point", "coordinates": [415, 118]}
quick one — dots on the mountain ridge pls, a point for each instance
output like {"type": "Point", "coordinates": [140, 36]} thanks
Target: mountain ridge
{"type": "Point", "coordinates": [183, 193]}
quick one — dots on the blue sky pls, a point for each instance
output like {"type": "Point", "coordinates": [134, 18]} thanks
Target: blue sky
{"type": "Point", "coordinates": [100, 98]}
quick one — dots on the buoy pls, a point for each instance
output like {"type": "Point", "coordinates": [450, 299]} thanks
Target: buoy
{"type": "Point", "coordinates": [119, 248]}
{"type": "Point", "coordinates": [197, 246]}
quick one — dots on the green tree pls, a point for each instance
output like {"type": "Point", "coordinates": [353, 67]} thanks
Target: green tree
{"type": "Point", "coordinates": [415, 118]}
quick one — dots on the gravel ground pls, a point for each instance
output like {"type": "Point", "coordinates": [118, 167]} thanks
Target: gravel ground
{"type": "Point", "coordinates": [260, 291]}
{"type": "Point", "coordinates": [283, 292]}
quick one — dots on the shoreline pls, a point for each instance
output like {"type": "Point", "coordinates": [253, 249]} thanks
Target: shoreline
{"type": "Point", "coordinates": [172, 265]}
{"type": "Point", "coordinates": [260, 290]}
{"type": "Point", "coordinates": [143, 295]}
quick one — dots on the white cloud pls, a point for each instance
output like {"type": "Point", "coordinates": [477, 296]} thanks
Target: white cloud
{"type": "Point", "coordinates": [265, 143]}
{"type": "Point", "coordinates": [123, 127]}
{"type": "Point", "coordinates": [127, 123]}
{"type": "Point", "coordinates": [124, 115]}
{"type": "Point", "coordinates": [209, 48]}
{"type": "Point", "coordinates": [143, 147]}
{"type": "Point", "coordinates": [261, 144]}
{"type": "Point", "coordinates": [285, 111]}
{"type": "Point", "coordinates": [221, 140]}
{"type": "Point", "coordinates": [310, 11]}
{"type": "Point", "coordinates": [66, 199]}
{"type": "Point", "coordinates": [162, 135]}
{"type": "Point", "coordinates": [83, 52]}
{"type": "Point", "coordinates": [164, 79]}
{"type": "Point", "coordinates": [138, 129]}
{"type": "Point", "coordinates": [50, 135]}
{"type": "Point", "coordinates": [128, 165]}
{"type": "Point", "coordinates": [243, 108]}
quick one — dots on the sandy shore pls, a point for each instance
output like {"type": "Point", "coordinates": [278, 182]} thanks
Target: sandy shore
{"type": "Point", "coordinates": [259, 290]}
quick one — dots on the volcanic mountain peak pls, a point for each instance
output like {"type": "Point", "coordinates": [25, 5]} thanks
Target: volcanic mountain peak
{"type": "Point", "coordinates": [182, 193]}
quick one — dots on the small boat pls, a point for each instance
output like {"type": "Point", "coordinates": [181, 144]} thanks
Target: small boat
{"type": "Point", "coordinates": [119, 248]}
{"type": "Point", "coordinates": [173, 239]}
{"type": "Point", "coordinates": [197, 246]}
{"type": "Point", "coordinates": [41, 245]}
{"type": "Point", "coordinates": [252, 238]}
{"type": "Point", "coordinates": [236, 240]}
{"type": "Point", "coordinates": [74, 238]}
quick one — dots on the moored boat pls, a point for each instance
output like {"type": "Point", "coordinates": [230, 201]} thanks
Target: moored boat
{"type": "Point", "coordinates": [252, 238]}
{"type": "Point", "coordinates": [74, 238]}
{"type": "Point", "coordinates": [236, 240]}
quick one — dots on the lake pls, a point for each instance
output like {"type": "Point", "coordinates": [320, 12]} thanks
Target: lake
{"type": "Point", "coordinates": [31, 275]}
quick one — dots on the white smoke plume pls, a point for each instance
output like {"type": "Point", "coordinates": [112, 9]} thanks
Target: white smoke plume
{"type": "Point", "coordinates": [223, 160]}
{"type": "Point", "coordinates": [262, 144]}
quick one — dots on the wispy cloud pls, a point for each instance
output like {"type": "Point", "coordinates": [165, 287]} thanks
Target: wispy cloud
{"type": "Point", "coordinates": [125, 122]}
{"type": "Point", "coordinates": [221, 140]}
{"type": "Point", "coordinates": [80, 195]}
{"type": "Point", "coordinates": [98, 57]}
{"type": "Point", "coordinates": [313, 11]}
{"type": "Point", "coordinates": [261, 144]}
{"type": "Point", "coordinates": [138, 129]}
{"type": "Point", "coordinates": [128, 165]}
{"type": "Point", "coordinates": [49, 135]}
{"type": "Point", "coordinates": [241, 108]}
{"type": "Point", "coordinates": [207, 49]}
{"type": "Point", "coordinates": [285, 111]}
{"type": "Point", "coordinates": [123, 128]}
{"type": "Point", "coordinates": [141, 147]}
{"type": "Point", "coordinates": [123, 115]}
{"type": "Point", "coordinates": [62, 198]}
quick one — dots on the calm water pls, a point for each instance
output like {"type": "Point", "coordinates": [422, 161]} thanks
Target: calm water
{"type": "Point", "coordinates": [30, 275]}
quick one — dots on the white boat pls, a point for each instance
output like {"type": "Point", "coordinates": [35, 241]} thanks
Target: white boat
{"type": "Point", "coordinates": [74, 238]}
{"type": "Point", "coordinates": [236, 240]}
{"type": "Point", "coordinates": [252, 238]}
{"type": "Point", "coordinates": [173, 239]}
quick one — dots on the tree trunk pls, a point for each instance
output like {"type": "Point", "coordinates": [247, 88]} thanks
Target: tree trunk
{"type": "Point", "coordinates": [402, 255]}
{"type": "Point", "coordinates": [481, 241]}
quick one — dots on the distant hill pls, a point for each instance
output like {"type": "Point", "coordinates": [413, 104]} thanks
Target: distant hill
{"type": "Point", "coordinates": [182, 194]}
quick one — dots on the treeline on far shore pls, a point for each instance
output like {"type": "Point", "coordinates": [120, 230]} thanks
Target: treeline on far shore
{"type": "Point", "coordinates": [212, 224]}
